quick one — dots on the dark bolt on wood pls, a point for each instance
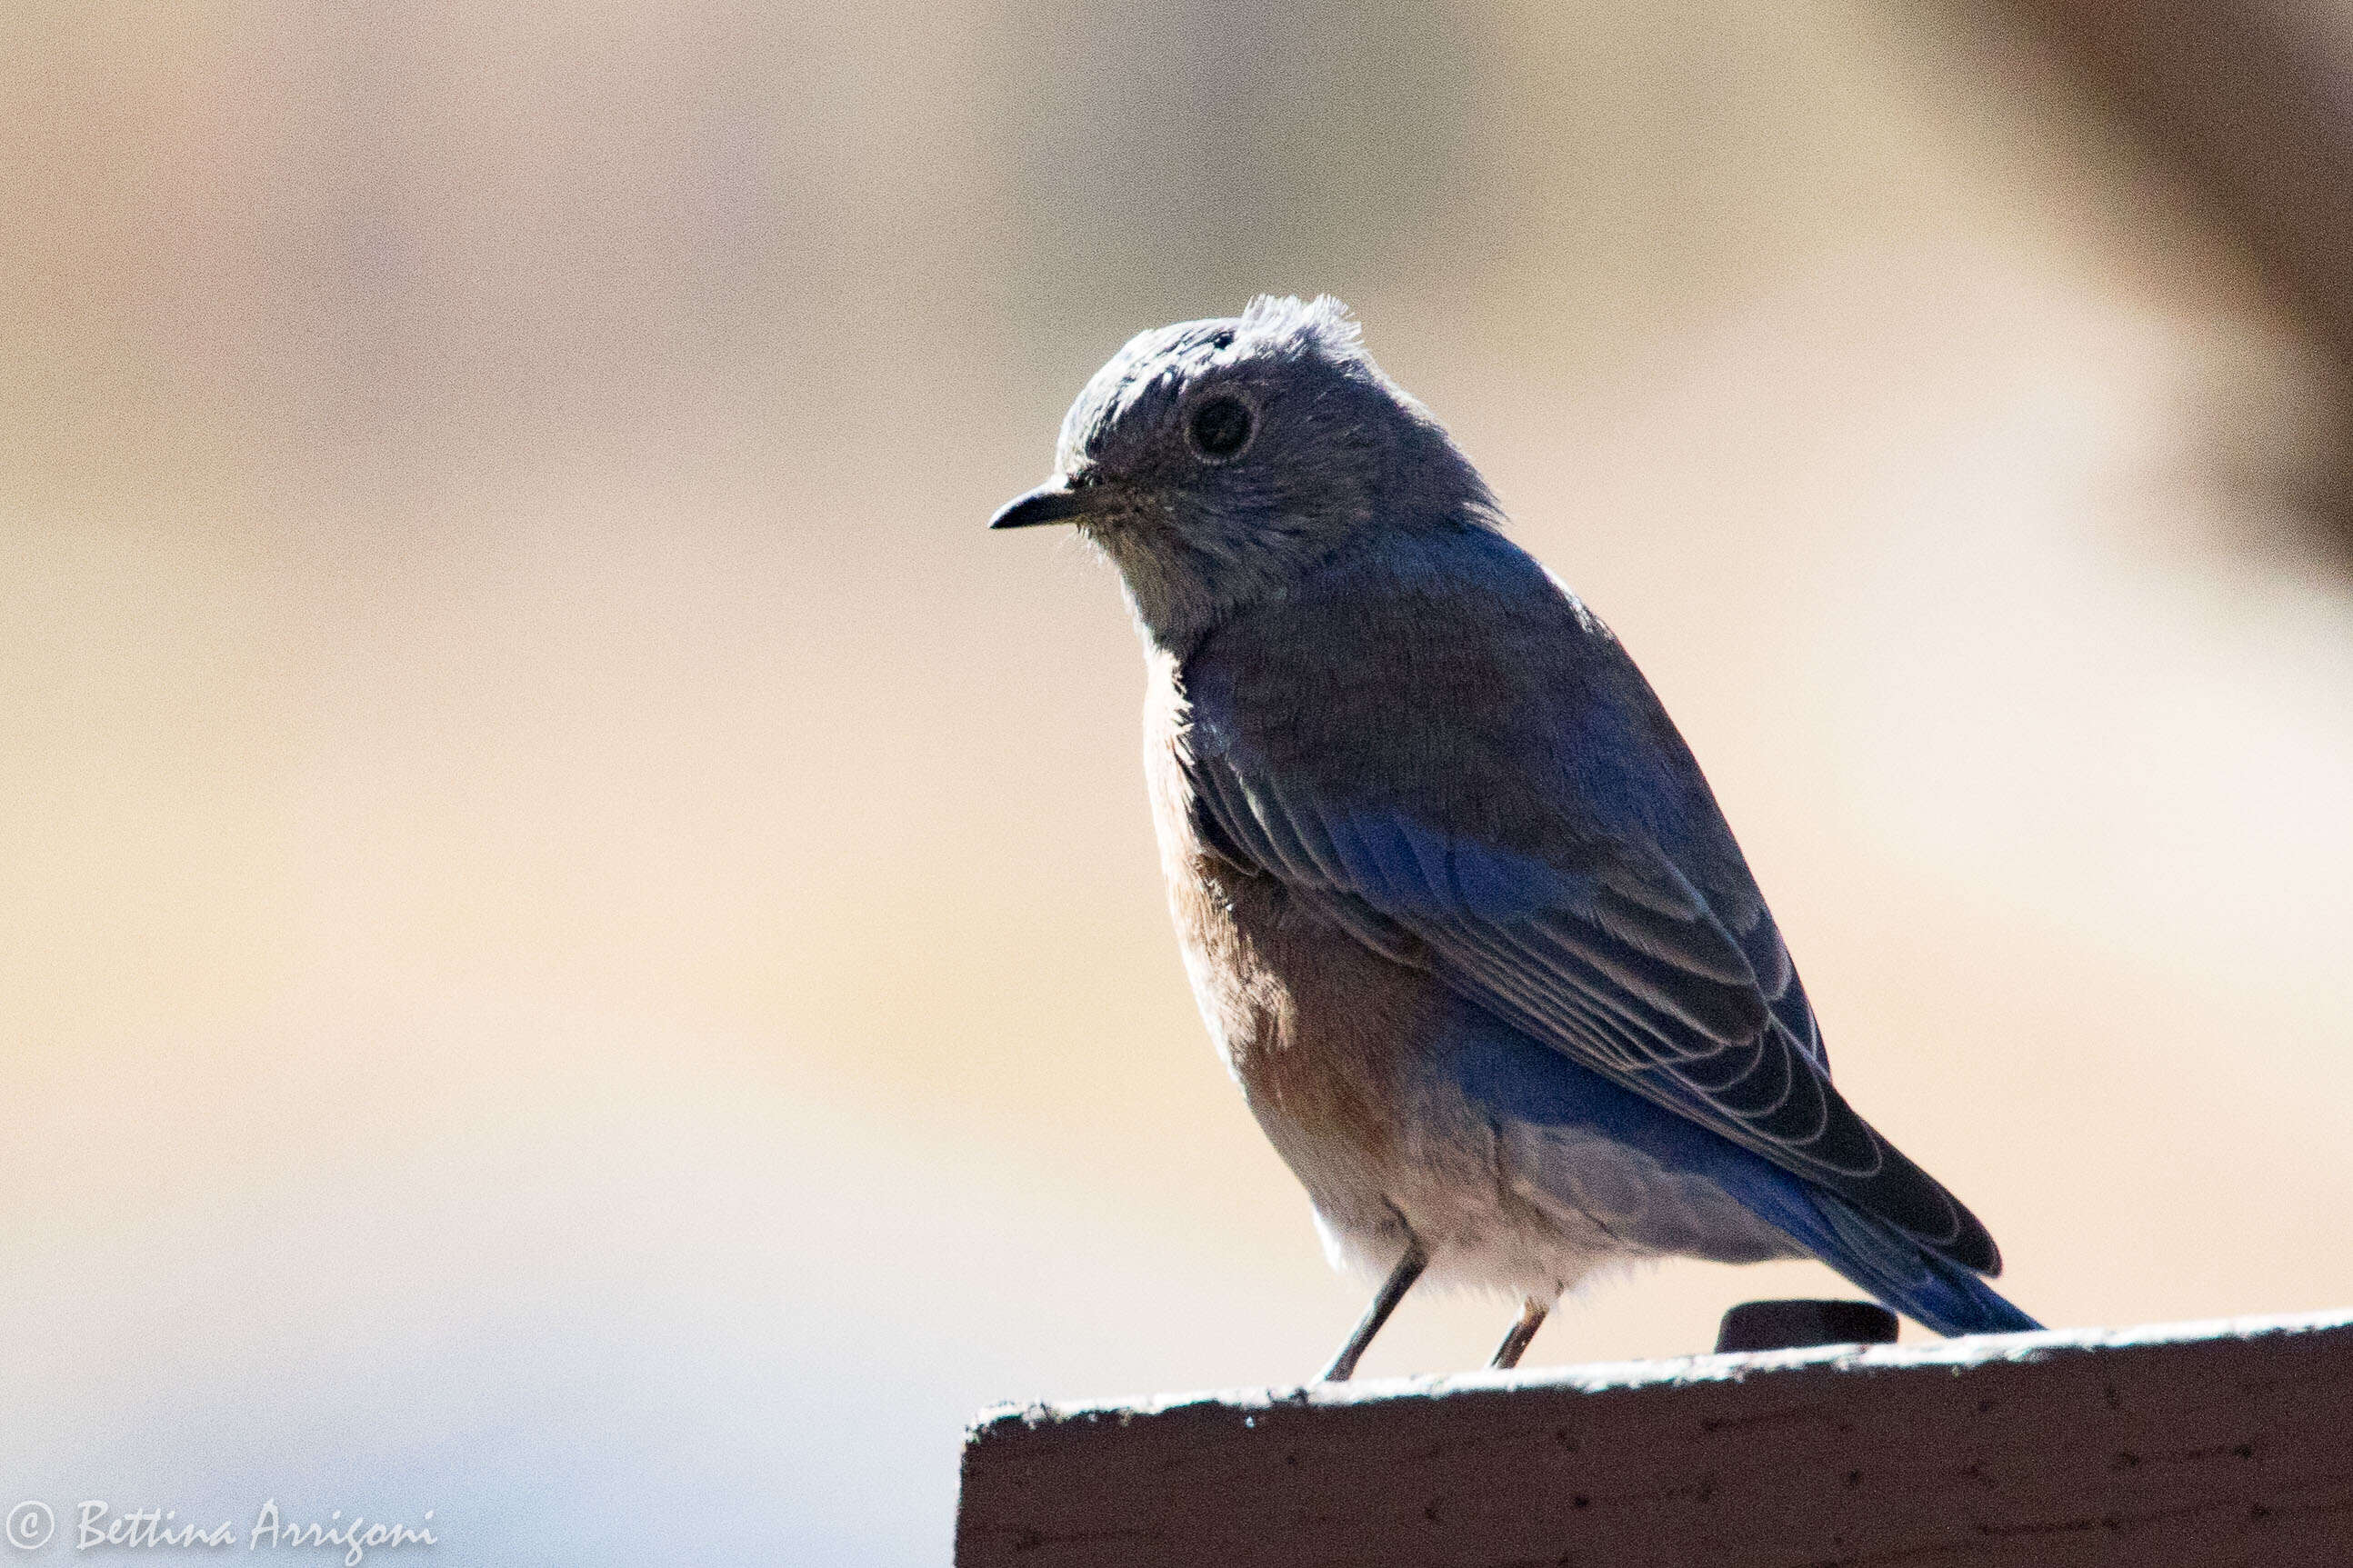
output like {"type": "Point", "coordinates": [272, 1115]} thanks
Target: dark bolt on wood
{"type": "Point", "coordinates": [2194, 1446]}
{"type": "Point", "coordinates": [1800, 1325]}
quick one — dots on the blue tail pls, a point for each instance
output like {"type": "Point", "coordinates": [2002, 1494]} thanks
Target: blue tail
{"type": "Point", "coordinates": [1874, 1255]}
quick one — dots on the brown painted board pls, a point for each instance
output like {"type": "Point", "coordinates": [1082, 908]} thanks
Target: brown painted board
{"type": "Point", "coordinates": [2203, 1444]}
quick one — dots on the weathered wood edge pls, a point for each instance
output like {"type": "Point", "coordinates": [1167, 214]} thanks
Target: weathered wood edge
{"type": "Point", "coordinates": [1009, 1421]}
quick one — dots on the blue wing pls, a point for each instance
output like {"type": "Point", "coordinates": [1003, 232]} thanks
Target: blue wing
{"type": "Point", "coordinates": [1441, 752]}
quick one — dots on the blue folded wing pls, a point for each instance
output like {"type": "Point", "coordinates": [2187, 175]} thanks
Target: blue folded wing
{"type": "Point", "coordinates": [1603, 949]}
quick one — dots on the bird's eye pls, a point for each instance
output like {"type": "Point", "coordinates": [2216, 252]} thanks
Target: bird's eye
{"type": "Point", "coordinates": [1220, 429]}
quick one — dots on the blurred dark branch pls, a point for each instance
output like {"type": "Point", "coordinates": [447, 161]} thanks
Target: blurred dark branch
{"type": "Point", "coordinates": [2246, 105]}
{"type": "Point", "coordinates": [2249, 103]}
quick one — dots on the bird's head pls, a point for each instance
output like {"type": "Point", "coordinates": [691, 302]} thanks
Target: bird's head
{"type": "Point", "coordinates": [1217, 462]}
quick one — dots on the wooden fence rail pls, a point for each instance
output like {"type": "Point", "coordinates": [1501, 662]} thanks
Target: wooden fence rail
{"type": "Point", "coordinates": [2203, 1444]}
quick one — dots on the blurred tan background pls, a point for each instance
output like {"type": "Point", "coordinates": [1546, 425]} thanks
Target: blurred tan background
{"type": "Point", "coordinates": [582, 948]}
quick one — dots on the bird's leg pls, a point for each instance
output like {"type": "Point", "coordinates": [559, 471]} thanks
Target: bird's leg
{"type": "Point", "coordinates": [1400, 1280]}
{"type": "Point", "coordinates": [1516, 1343]}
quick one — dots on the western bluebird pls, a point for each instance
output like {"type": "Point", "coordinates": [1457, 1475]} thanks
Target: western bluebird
{"type": "Point", "coordinates": [1459, 907]}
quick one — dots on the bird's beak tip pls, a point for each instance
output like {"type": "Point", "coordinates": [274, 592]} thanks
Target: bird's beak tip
{"type": "Point", "coordinates": [1053, 502]}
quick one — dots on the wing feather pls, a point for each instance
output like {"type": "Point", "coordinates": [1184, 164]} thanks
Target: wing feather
{"type": "Point", "coordinates": [1626, 967]}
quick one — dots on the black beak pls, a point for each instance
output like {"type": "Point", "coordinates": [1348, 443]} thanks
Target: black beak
{"type": "Point", "coordinates": [1053, 502]}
